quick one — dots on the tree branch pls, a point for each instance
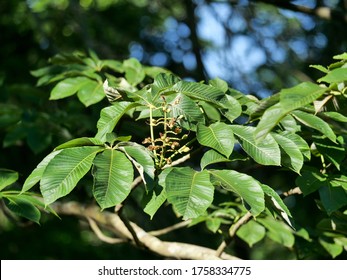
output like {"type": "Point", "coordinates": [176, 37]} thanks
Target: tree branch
{"type": "Point", "coordinates": [111, 220]}
{"type": "Point", "coordinates": [232, 231]}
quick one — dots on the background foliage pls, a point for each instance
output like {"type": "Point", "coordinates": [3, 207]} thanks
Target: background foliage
{"type": "Point", "coordinates": [265, 48]}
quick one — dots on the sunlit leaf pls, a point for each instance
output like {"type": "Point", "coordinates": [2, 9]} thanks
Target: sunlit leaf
{"type": "Point", "coordinates": [266, 151]}
{"type": "Point", "coordinates": [295, 158]}
{"type": "Point", "coordinates": [189, 191]}
{"type": "Point", "coordinates": [7, 177]}
{"type": "Point", "coordinates": [110, 116]}
{"type": "Point", "coordinates": [315, 123]}
{"type": "Point", "coordinates": [36, 174]}
{"type": "Point", "coordinates": [218, 136]}
{"type": "Point", "coordinates": [68, 87]}
{"type": "Point", "coordinates": [212, 157]}
{"type": "Point", "coordinates": [64, 171]}
{"type": "Point", "coordinates": [113, 174]}
{"type": "Point", "coordinates": [245, 186]}
{"type": "Point", "coordinates": [331, 247]}
{"type": "Point", "coordinates": [91, 92]}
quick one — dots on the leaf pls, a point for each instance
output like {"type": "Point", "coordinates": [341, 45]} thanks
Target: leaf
{"type": "Point", "coordinates": [134, 71]}
{"type": "Point", "coordinates": [79, 142]}
{"type": "Point", "coordinates": [22, 207]}
{"type": "Point", "coordinates": [332, 248]}
{"type": "Point", "coordinates": [310, 181]}
{"type": "Point", "coordinates": [68, 87]}
{"type": "Point", "coordinates": [164, 81]}
{"type": "Point", "coordinates": [251, 233]}
{"type": "Point", "coordinates": [337, 75]}
{"type": "Point", "coordinates": [233, 108]}
{"type": "Point", "coordinates": [155, 202]}
{"type": "Point", "coordinates": [218, 136]}
{"type": "Point", "coordinates": [278, 232]}
{"type": "Point", "coordinates": [277, 204]}
{"type": "Point", "coordinates": [315, 123]}
{"type": "Point", "coordinates": [212, 157]}
{"type": "Point", "coordinates": [36, 174]}
{"type": "Point", "coordinates": [290, 99]}
{"type": "Point", "coordinates": [7, 177]}
{"type": "Point", "coordinates": [300, 143]}
{"type": "Point", "coordinates": [295, 157]}
{"type": "Point", "coordinates": [333, 198]}
{"type": "Point", "coordinates": [300, 95]}
{"type": "Point", "coordinates": [113, 174]}
{"type": "Point", "coordinates": [249, 189]}
{"type": "Point", "coordinates": [220, 84]}
{"type": "Point", "coordinates": [110, 116]}
{"type": "Point", "coordinates": [265, 152]}
{"type": "Point", "coordinates": [335, 116]}
{"type": "Point", "coordinates": [334, 153]}
{"type": "Point", "coordinates": [140, 157]}
{"type": "Point", "coordinates": [64, 171]}
{"type": "Point", "coordinates": [91, 92]}
{"type": "Point", "coordinates": [186, 107]}
{"type": "Point", "coordinates": [189, 191]}
{"type": "Point", "coordinates": [199, 92]}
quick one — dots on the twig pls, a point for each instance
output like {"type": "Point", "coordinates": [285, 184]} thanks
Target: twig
{"type": "Point", "coordinates": [178, 161]}
{"type": "Point", "coordinates": [232, 231]}
{"type": "Point", "coordinates": [101, 235]}
{"type": "Point", "coordinates": [169, 229]}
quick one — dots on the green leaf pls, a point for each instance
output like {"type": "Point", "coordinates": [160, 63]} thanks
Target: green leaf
{"type": "Point", "coordinates": [68, 87]}
{"type": "Point", "coordinates": [212, 157]}
{"type": "Point", "coordinates": [310, 181]}
{"type": "Point", "coordinates": [251, 233]}
{"type": "Point", "coordinates": [213, 224]}
{"type": "Point", "coordinates": [233, 108]}
{"type": "Point", "coordinates": [64, 171]}
{"type": "Point", "coordinates": [36, 174]}
{"type": "Point", "coordinates": [338, 181]}
{"type": "Point", "coordinates": [266, 151]}
{"type": "Point", "coordinates": [113, 174]}
{"type": "Point", "coordinates": [186, 107]}
{"type": "Point", "coordinates": [335, 116]}
{"type": "Point", "coordinates": [79, 142]}
{"type": "Point", "coordinates": [7, 177]}
{"type": "Point", "coordinates": [91, 92]}
{"type": "Point", "coordinates": [333, 152]}
{"type": "Point", "coordinates": [218, 136]}
{"type": "Point", "coordinates": [332, 248]}
{"type": "Point", "coordinates": [278, 231]}
{"type": "Point", "coordinates": [189, 191]}
{"type": "Point", "coordinates": [300, 143]}
{"type": "Point", "coordinates": [300, 95]}
{"type": "Point", "coordinates": [134, 71]}
{"type": "Point", "coordinates": [24, 208]}
{"type": "Point", "coordinates": [199, 92]}
{"type": "Point", "coordinates": [277, 204]}
{"type": "Point", "coordinates": [295, 157]}
{"type": "Point", "coordinates": [249, 189]}
{"type": "Point", "coordinates": [290, 99]}
{"type": "Point", "coordinates": [110, 116]}
{"type": "Point", "coordinates": [164, 81]}
{"type": "Point", "coordinates": [342, 56]}
{"type": "Point", "coordinates": [333, 198]}
{"type": "Point", "coordinates": [155, 202]}
{"type": "Point", "coordinates": [210, 111]}
{"type": "Point", "coordinates": [315, 123]}
{"type": "Point", "coordinates": [140, 157]}
{"type": "Point", "coordinates": [337, 75]}
{"type": "Point", "coordinates": [220, 84]}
